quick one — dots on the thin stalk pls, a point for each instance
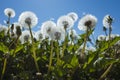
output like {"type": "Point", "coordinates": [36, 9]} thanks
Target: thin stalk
{"type": "Point", "coordinates": [4, 68]}
{"type": "Point", "coordinates": [109, 37]}
{"type": "Point", "coordinates": [105, 33]}
{"type": "Point", "coordinates": [64, 45]}
{"type": "Point", "coordinates": [51, 57]}
{"type": "Point", "coordinates": [106, 72]}
{"type": "Point", "coordinates": [109, 68]}
{"type": "Point", "coordinates": [57, 53]}
{"type": "Point", "coordinates": [34, 53]}
{"type": "Point", "coordinates": [15, 46]}
{"type": "Point", "coordinates": [85, 41]}
{"type": "Point", "coordinates": [8, 23]}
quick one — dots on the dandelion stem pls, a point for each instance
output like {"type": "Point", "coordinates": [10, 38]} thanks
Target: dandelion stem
{"type": "Point", "coordinates": [8, 23]}
{"type": "Point", "coordinates": [4, 68]}
{"type": "Point", "coordinates": [51, 54]}
{"type": "Point", "coordinates": [106, 72]}
{"type": "Point", "coordinates": [105, 33]}
{"type": "Point", "coordinates": [34, 53]}
{"type": "Point", "coordinates": [57, 52]}
{"type": "Point", "coordinates": [16, 45]}
{"type": "Point", "coordinates": [65, 42]}
{"type": "Point", "coordinates": [85, 41]}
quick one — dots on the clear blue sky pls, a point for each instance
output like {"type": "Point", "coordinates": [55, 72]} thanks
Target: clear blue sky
{"type": "Point", "coordinates": [47, 9]}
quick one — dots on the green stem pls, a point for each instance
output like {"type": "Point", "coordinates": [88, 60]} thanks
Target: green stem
{"type": "Point", "coordinates": [16, 41]}
{"type": "Point", "coordinates": [85, 42]}
{"type": "Point", "coordinates": [64, 45]}
{"type": "Point", "coordinates": [109, 68]}
{"type": "Point", "coordinates": [34, 53]}
{"type": "Point", "coordinates": [57, 52]}
{"type": "Point", "coordinates": [51, 54]}
{"type": "Point", "coordinates": [4, 68]}
{"type": "Point", "coordinates": [8, 23]}
{"type": "Point", "coordinates": [106, 72]}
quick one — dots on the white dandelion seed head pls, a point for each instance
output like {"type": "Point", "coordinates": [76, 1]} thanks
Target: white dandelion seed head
{"type": "Point", "coordinates": [101, 38]}
{"type": "Point", "coordinates": [47, 27]}
{"type": "Point", "coordinates": [57, 33]}
{"type": "Point", "coordinates": [87, 22]}
{"type": "Point", "coordinates": [107, 20]}
{"type": "Point", "coordinates": [73, 34]}
{"type": "Point", "coordinates": [27, 19]}
{"type": "Point", "coordinates": [65, 21]}
{"type": "Point", "coordinates": [73, 15]}
{"type": "Point", "coordinates": [39, 35]}
{"type": "Point", "coordinates": [25, 37]}
{"type": "Point", "coordinates": [9, 12]}
{"type": "Point", "coordinates": [4, 29]}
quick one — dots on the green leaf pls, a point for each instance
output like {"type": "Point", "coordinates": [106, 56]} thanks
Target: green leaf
{"type": "Point", "coordinates": [74, 61]}
{"type": "Point", "coordinates": [3, 48]}
{"type": "Point", "coordinates": [20, 47]}
{"type": "Point", "coordinates": [102, 62]}
{"type": "Point", "coordinates": [105, 44]}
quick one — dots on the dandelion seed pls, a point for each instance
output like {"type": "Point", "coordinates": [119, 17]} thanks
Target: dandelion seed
{"type": "Point", "coordinates": [27, 19]}
{"type": "Point", "coordinates": [107, 21]}
{"type": "Point", "coordinates": [39, 35]}
{"type": "Point", "coordinates": [87, 22]}
{"type": "Point", "coordinates": [101, 37]}
{"type": "Point", "coordinates": [65, 21]}
{"type": "Point", "coordinates": [25, 37]}
{"type": "Point", "coordinates": [57, 34]}
{"type": "Point", "coordinates": [47, 27]}
{"type": "Point", "coordinates": [9, 12]}
{"type": "Point", "coordinates": [73, 34]}
{"type": "Point", "coordinates": [73, 15]}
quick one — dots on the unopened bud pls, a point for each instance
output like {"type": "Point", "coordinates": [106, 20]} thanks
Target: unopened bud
{"type": "Point", "coordinates": [18, 31]}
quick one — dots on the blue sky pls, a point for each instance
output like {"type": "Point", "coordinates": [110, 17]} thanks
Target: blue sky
{"type": "Point", "coordinates": [47, 9]}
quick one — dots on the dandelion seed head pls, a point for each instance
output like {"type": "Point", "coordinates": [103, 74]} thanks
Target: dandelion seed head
{"type": "Point", "coordinates": [25, 37]}
{"type": "Point", "coordinates": [65, 21]}
{"type": "Point", "coordinates": [57, 33]}
{"type": "Point", "coordinates": [101, 37]}
{"type": "Point", "coordinates": [27, 19]}
{"type": "Point", "coordinates": [9, 12]}
{"type": "Point", "coordinates": [73, 34]}
{"type": "Point", "coordinates": [73, 15]}
{"type": "Point", "coordinates": [47, 27]}
{"type": "Point", "coordinates": [107, 21]}
{"type": "Point", "coordinates": [39, 35]}
{"type": "Point", "coordinates": [87, 22]}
